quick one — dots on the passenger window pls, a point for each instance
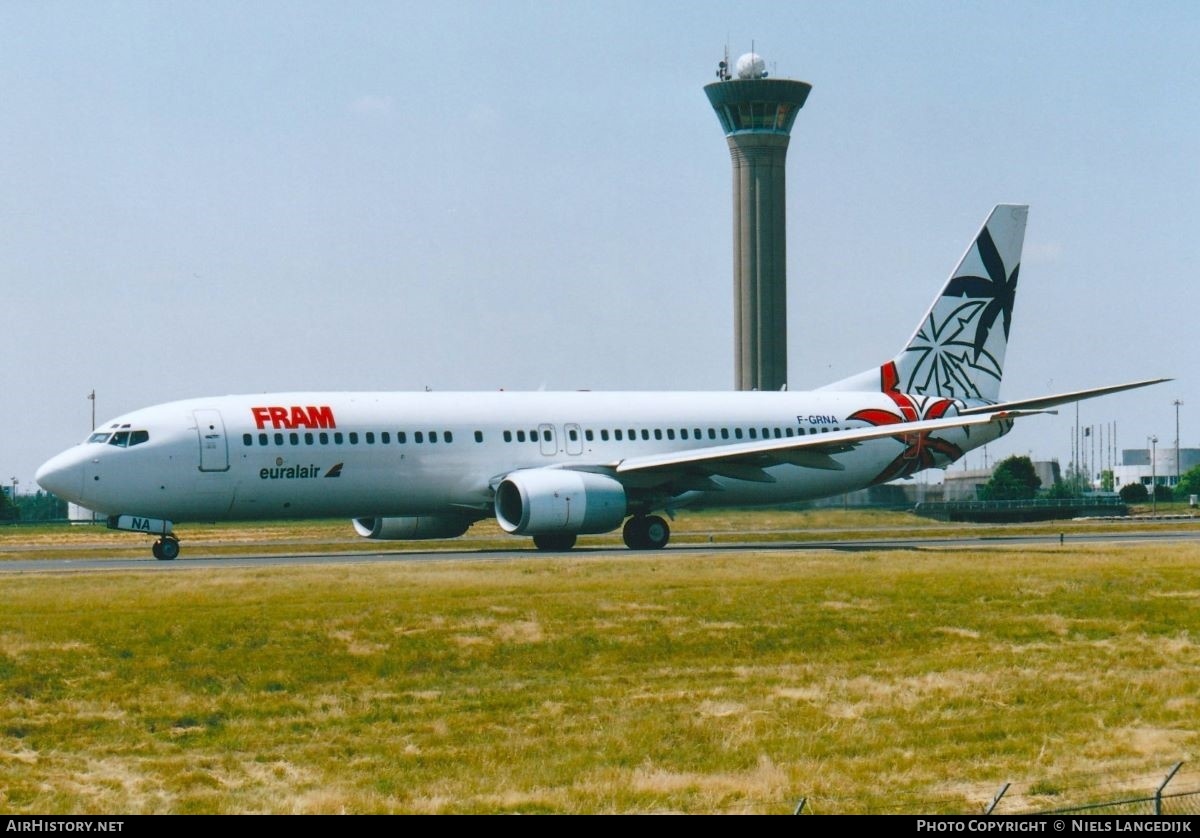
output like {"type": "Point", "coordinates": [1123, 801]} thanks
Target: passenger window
{"type": "Point", "coordinates": [658, 433]}
{"type": "Point", "coordinates": [645, 433]}
{"type": "Point", "coordinates": [385, 437]}
{"type": "Point", "coordinates": [737, 432]}
{"type": "Point", "coordinates": [354, 437]}
{"type": "Point", "coordinates": [337, 437]}
{"type": "Point", "coordinates": [370, 437]}
{"type": "Point", "coordinates": [683, 433]}
{"type": "Point", "coordinates": [308, 438]}
{"type": "Point", "coordinates": [262, 439]}
{"type": "Point", "coordinates": [508, 436]}
{"type": "Point", "coordinates": [479, 436]}
{"type": "Point", "coordinates": [712, 433]}
{"type": "Point", "coordinates": [324, 437]}
{"type": "Point", "coordinates": [447, 436]}
{"type": "Point", "coordinates": [432, 437]}
{"type": "Point", "coordinates": [753, 433]}
{"type": "Point", "coordinates": [573, 435]}
{"type": "Point", "coordinates": [294, 438]}
{"type": "Point", "coordinates": [617, 434]}
{"type": "Point", "coordinates": [697, 433]}
{"type": "Point", "coordinates": [418, 437]}
{"type": "Point", "coordinates": [520, 436]}
{"type": "Point", "coordinates": [401, 438]}
{"type": "Point", "coordinates": [604, 434]}
{"type": "Point", "coordinates": [247, 439]}
{"type": "Point", "coordinates": [589, 436]}
{"type": "Point", "coordinates": [724, 433]}
{"type": "Point", "coordinates": [632, 434]}
{"type": "Point", "coordinates": [279, 439]}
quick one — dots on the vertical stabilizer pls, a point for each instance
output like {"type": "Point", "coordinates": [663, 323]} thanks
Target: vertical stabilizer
{"type": "Point", "coordinates": [958, 349]}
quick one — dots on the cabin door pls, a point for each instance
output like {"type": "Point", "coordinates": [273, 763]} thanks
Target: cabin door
{"type": "Point", "coordinates": [574, 439]}
{"type": "Point", "coordinates": [546, 436]}
{"type": "Point", "coordinates": [214, 450]}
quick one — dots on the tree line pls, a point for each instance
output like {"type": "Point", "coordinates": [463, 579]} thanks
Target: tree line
{"type": "Point", "coordinates": [38, 506]}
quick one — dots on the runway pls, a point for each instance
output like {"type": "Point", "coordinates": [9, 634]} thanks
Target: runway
{"type": "Point", "coordinates": [521, 551]}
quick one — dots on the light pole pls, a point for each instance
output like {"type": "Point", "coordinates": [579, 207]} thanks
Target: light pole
{"type": "Point", "coordinates": [1177, 403]}
{"type": "Point", "coordinates": [15, 481]}
{"type": "Point", "coordinates": [1153, 477]}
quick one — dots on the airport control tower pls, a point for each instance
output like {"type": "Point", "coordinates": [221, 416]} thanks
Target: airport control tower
{"type": "Point", "coordinates": [757, 114]}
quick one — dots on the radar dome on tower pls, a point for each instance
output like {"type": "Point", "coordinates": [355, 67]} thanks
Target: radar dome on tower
{"type": "Point", "coordinates": [751, 66]}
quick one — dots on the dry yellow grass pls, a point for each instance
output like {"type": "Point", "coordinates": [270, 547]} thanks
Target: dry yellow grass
{"type": "Point", "coordinates": [900, 681]}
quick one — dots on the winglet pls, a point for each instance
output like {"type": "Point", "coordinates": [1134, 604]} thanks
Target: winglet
{"type": "Point", "coordinates": [1041, 403]}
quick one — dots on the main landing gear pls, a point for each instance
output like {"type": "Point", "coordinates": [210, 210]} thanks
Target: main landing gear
{"type": "Point", "coordinates": [554, 542]}
{"type": "Point", "coordinates": [642, 532]}
{"type": "Point", "coordinates": [646, 532]}
{"type": "Point", "coordinates": [166, 549]}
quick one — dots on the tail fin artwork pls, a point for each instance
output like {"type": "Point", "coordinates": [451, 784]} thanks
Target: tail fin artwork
{"type": "Point", "coordinates": [958, 349]}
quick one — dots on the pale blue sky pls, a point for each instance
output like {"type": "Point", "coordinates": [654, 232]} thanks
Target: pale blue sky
{"type": "Point", "coordinates": [205, 197]}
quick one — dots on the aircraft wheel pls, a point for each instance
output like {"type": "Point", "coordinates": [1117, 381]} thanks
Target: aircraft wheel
{"type": "Point", "coordinates": [166, 549]}
{"type": "Point", "coordinates": [634, 533]}
{"type": "Point", "coordinates": [156, 550]}
{"type": "Point", "coordinates": [554, 541]}
{"type": "Point", "coordinates": [656, 533]}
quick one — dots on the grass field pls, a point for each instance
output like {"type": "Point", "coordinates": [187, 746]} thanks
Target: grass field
{"type": "Point", "coordinates": [906, 681]}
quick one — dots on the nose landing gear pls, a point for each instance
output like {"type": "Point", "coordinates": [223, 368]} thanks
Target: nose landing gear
{"type": "Point", "coordinates": [165, 549]}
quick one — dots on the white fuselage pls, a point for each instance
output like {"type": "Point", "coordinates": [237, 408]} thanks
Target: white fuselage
{"type": "Point", "coordinates": [303, 455]}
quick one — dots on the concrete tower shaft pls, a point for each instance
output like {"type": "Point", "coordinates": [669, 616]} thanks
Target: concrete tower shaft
{"type": "Point", "coordinates": [757, 115]}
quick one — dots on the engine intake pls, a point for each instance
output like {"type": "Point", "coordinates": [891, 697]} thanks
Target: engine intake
{"type": "Point", "coordinates": [543, 500]}
{"type": "Point", "coordinates": [408, 529]}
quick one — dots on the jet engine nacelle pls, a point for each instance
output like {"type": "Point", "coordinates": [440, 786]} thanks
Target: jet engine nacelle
{"type": "Point", "coordinates": [544, 500]}
{"type": "Point", "coordinates": [421, 526]}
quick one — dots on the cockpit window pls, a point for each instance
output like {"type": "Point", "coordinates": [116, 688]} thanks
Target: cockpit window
{"type": "Point", "coordinates": [125, 439]}
{"type": "Point", "coordinates": [98, 437]}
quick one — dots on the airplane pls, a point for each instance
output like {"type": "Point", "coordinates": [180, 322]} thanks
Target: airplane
{"type": "Point", "coordinates": [556, 465]}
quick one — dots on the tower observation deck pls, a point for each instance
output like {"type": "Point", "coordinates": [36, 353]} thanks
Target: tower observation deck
{"type": "Point", "coordinates": [756, 114]}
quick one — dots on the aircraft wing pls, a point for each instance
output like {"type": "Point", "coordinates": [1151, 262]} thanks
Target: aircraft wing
{"type": "Point", "coordinates": [1043, 402]}
{"type": "Point", "coordinates": [746, 460]}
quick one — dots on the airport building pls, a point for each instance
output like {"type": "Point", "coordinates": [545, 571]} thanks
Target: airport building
{"type": "Point", "coordinates": [756, 114]}
{"type": "Point", "coordinates": [1154, 465]}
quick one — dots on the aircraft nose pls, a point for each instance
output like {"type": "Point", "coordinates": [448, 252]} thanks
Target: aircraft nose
{"type": "Point", "coordinates": [62, 475]}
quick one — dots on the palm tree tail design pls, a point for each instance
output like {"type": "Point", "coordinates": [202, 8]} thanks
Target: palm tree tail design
{"type": "Point", "coordinates": [957, 350]}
